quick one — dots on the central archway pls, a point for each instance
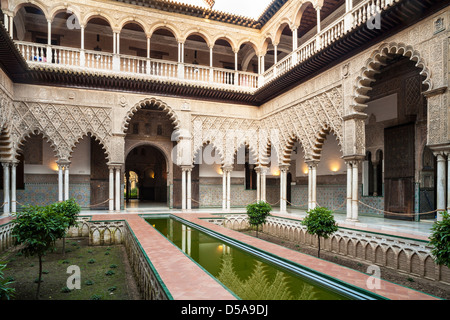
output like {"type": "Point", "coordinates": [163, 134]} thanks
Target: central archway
{"type": "Point", "coordinates": [150, 166]}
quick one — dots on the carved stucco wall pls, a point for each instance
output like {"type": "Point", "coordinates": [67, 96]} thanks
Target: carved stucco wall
{"type": "Point", "coordinates": [305, 113]}
{"type": "Point", "coordinates": [62, 125]}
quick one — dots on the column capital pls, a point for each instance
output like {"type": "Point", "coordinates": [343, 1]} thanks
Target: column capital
{"type": "Point", "coordinates": [227, 168]}
{"type": "Point", "coordinates": [187, 167]}
{"type": "Point", "coordinates": [6, 164]}
{"type": "Point", "coordinates": [115, 166]}
{"type": "Point", "coordinates": [312, 163]}
{"type": "Point", "coordinates": [353, 158]}
{"type": "Point", "coordinates": [284, 167]}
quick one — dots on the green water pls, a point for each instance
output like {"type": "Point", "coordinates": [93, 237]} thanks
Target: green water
{"type": "Point", "coordinates": [247, 276]}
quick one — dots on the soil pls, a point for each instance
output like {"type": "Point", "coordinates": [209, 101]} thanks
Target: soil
{"type": "Point", "coordinates": [94, 263]}
{"type": "Point", "coordinates": [431, 287]}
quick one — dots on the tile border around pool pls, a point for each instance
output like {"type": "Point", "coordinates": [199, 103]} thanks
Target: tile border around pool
{"type": "Point", "coordinates": [394, 291]}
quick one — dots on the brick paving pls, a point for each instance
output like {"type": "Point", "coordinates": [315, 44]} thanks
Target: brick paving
{"type": "Point", "coordinates": [187, 281]}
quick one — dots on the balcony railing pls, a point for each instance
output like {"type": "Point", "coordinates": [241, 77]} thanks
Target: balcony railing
{"type": "Point", "coordinates": [211, 76]}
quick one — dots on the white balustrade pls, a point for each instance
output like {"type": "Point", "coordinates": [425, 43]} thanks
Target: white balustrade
{"type": "Point", "coordinates": [332, 33]}
{"type": "Point", "coordinates": [248, 80]}
{"type": "Point", "coordinates": [196, 72]}
{"type": "Point", "coordinates": [133, 64]}
{"type": "Point", "coordinates": [223, 76]}
{"type": "Point", "coordinates": [160, 68]}
{"type": "Point", "coordinates": [33, 52]}
{"type": "Point", "coordinates": [284, 65]}
{"type": "Point", "coordinates": [43, 53]}
{"type": "Point", "coordinates": [99, 60]}
{"type": "Point", "coordinates": [365, 10]}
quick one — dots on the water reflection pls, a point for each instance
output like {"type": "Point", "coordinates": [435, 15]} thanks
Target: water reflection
{"type": "Point", "coordinates": [247, 276]}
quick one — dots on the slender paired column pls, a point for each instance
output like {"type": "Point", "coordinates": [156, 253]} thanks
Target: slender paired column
{"type": "Point", "coordinates": [353, 187]}
{"type": "Point", "coordinates": [60, 182]}
{"type": "Point", "coordinates": [283, 192]}
{"type": "Point", "coordinates": [183, 189]}
{"type": "Point", "coordinates": [355, 198]}
{"type": "Point", "coordinates": [63, 181]}
{"type": "Point", "coordinates": [226, 185]}
{"type": "Point", "coordinates": [441, 179]}
{"type": "Point", "coordinates": [66, 182]}
{"type": "Point", "coordinates": [229, 189]}
{"type": "Point", "coordinates": [312, 184]}
{"type": "Point", "coordinates": [13, 187]}
{"type": "Point", "coordinates": [349, 190]}
{"type": "Point", "coordinates": [224, 189]}
{"type": "Point", "coordinates": [111, 189]}
{"type": "Point", "coordinates": [6, 198]}
{"type": "Point", "coordinates": [263, 183]}
{"type": "Point", "coordinates": [186, 187]}
{"type": "Point", "coordinates": [258, 183]}
{"type": "Point", "coordinates": [117, 189]}
{"type": "Point", "coordinates": [189, 189]}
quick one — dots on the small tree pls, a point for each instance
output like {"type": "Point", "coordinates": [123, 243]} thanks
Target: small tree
{"type": "Point", "coordinates": [37, 229]}
{"type": "Point", "coordinates": [257, 214]}
{"type": "Point", "coordinates": [440, 240]}
{"type": "Point", "coordinates": [69, 211]}
{"type": "Point", "coordinates": [320, 221]}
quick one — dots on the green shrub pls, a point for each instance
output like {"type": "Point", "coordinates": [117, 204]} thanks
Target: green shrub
{"type": "Point", "coordinates": [440, 240]}
{"type": "Point", "coordinates": [257, 214]}
{"type": "Point", "coordinates": [320, 222]}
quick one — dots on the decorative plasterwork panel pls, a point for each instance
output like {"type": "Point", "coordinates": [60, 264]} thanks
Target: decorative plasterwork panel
{"type": "Point", "coordinates": [274, 135]}
{"type": "Point", "coordinates": [306, 122]}
{"type": "Point", "coordinates": [227, 135]}
{"type": "Point", "coordinates": [5, 109]}
{"type": "Point", "coordinates": [62, 125]}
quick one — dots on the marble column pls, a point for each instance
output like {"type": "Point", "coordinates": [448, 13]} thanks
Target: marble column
{"type": "Point", "coordinates": [283, 187]}
{"type": "Point", "coordinates": [258, 183]}
{"type": "Point", "coordinates": [312, 184]}
{"type": "Point", "coordinates": [355, 198]}
{"type": "Point", "coordinates": [6, 198]}
{"type": "Point", "coordinates": [349, 189]}
{"type": "Point", "coordinates": [60, 182]}
{"type": "Point", "coordinates": [227, 187]}
{"type": "Point", "coordinates": [13, 187]}
{"type": "Point", "coordinates": [189, 189]}
{"type": "Point", "coordinates": [263, 183]}
{"type": "Point", "coordinates": [224, 189]}
{"type": "Point", "coordinates": [441, 179]}
{"type": "Point", "coordinates": [66, 182]}
{"type": "Point", "coordinates": [111, 188]}
{"type": "Point", "coordinates": [117, 189]}
{"type": "Point", "coordinates": [183, 189]}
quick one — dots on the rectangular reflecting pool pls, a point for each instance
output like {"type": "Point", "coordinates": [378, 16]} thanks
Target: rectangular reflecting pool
{"type": "Point", "coordinates": [249, 273]}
